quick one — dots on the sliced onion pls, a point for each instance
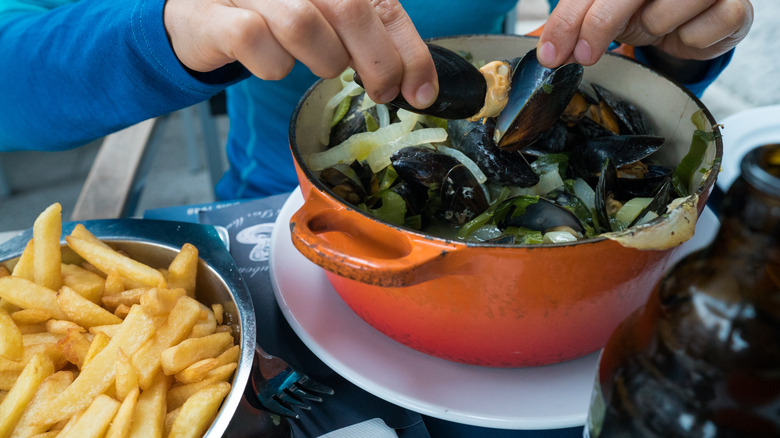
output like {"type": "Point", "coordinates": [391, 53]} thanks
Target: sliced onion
{"type": "Point", "coordinates": [384, 115]}
{"type": "Point", "coordinates": [629, 211]}
{"type": "Point", "coordinates": [358, 146]}
{"type": "Point", "coordinates": [379, 158]}
{"type": "Point", "coordinates": [350, 89]}
{"type": "Point", "coordinates": [468, 162]}
{"type": "Point", "coordinates": [558, 237]}
{"type": "Point", "coordinates": [585, 192]}
{"type": "Point", "coordinates": [548, 181]}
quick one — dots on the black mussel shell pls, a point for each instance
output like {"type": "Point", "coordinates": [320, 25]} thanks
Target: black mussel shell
{"type": "Point", "coordinates": [462, 88]}
{"type": "Point", "coordinates": [646, 185]}
{"type": "Point", "coordinates": [353, 122]}
{"type": "Point", "coordinates": [661, 198]}
{"type": "Point", "coordinates": [553, 141]}
{"type": "Point", "coordinates": [587, 159]}
{"type": "Point", "coordinates": [590, 129]}
{"type": "Point", "coordinates": [542, 216]}
{"type": "Point", "coordinates": [475, 140]}
{"type": "Point", "coordinates": [462, 198]}
{"type": "Point", "coordinates": [607, 188]}
{"type": "Point", "coordinates": [414, 196]}
{"type": "Point", "coordinates": [537, 99]}
{"type": "Point", "coordinates": [422, 165]}
{"type": "Point", "coordinates": [633, 120]}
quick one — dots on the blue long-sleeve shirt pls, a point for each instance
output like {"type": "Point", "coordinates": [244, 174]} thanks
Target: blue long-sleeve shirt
{"type": "Point", "coordinates": [76, 70]}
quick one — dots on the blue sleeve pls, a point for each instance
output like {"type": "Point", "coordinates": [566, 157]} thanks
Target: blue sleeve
{"type": "Point", "coordinates": [714, 70]}
{"type": "Point", "coordinates": [83, 70]}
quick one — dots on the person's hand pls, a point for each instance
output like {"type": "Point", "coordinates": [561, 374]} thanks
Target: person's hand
{"type": "Point", "coordinates": [581, 30]}
{"type": "Point", "coordinates": [377, 38]}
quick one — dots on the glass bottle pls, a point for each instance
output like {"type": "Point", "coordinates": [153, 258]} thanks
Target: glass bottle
{"type": "Point", "coordinates": [702, 357]}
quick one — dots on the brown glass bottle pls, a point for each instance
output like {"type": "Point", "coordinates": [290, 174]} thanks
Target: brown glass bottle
{"type": "Point", "coordinates": [702, 357]}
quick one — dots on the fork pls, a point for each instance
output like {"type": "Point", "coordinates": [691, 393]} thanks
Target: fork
{"type": "Point", "coordinates": [280, 388]}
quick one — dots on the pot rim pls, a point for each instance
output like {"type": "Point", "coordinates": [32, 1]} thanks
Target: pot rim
{"type": "Point", "coordinates": [705, 185]}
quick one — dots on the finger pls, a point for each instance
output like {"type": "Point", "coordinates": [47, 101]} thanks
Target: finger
{"type": "Point", "coordinates": [561, 31]}
{"type": "Point", "coordinates": [419, 83]}
{"type": "Point", "coordinates": [246, 37]}
{"type": "Point", "coordinates": [302, 30]}
{"type": "Point", "coordinates": [712, 33]}
{"type": "Point", "coordinates": [661, 17]}
{"type": "Point", "coordinates": [603, 22]}
{"type": "Point", "coordinates": [371, 50]}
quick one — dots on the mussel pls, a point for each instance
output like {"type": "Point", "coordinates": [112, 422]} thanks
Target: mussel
{"type": "Point", "coordinates": [475, 140]}
{"type": "Point", "coordinates": [460, 196]}
{"type": "Point", "coordinates": [462, 88]}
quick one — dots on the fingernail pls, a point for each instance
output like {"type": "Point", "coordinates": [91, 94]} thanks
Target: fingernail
{"type": "Point", "coordinates": [390, 94]}
{"type": "Point", "coordinates": [425, 95]}
{"type": "Point", "coordinates": [546, 53]}
{"type": "Point", "coordinates": [582, 52]}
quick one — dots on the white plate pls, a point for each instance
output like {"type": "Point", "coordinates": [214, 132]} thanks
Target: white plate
{"type": "Point", "coordinates": [742, 132]}
{"type": "Point", "coordinates": [547, 397]}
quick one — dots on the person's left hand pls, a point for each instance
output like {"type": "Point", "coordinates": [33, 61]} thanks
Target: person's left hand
{"type": "Point", "coordinates": [581, 30]}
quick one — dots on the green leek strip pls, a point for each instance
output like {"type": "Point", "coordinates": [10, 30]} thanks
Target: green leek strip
{"type": "Point", "coordinates": [484, 218]}
{"type": "Point", "coordinates": [543, 163]}
{"type": "Point", "coordinates": [392, 210]}
{"type": "Point", "coordinates": [683, 174]}
{"type": "Point", "coordinates": [341, 111]}
{"type": "Point", "coordinates": [525, 235]}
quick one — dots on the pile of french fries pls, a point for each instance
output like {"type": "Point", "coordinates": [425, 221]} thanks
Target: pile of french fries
{"type": "Point", "coordinates": [96, 344]}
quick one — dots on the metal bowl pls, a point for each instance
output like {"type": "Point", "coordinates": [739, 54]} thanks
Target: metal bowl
{"type": "Point", "coordinates": [156, 243]}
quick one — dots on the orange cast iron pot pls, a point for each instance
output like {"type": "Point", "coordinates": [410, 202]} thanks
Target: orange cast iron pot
{"type": "Point", "coordinates": [488, 304]}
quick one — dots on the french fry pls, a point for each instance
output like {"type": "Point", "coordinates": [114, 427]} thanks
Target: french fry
{"type": "Point", "coordinates": [113, 284]}
{"type": "Point", "coordinates": [197, 371]}
{"type": "Point", "coordinates": [170, 417]}
{"type": "Point", "coordinates": [50, 350]}
{"type": "Point", "coordinates": [31, 339]}
{"type": "Point", "coordinates": [95, 420]}
{"type": "Point", "coordinates": [30, 316]}
{"type": "Point", "coordinates": [50, 387]}
{"type": "Point", "coordinates": [7, 306]}
{"type": "Point", "coordinates": [32, 328]}
{"type": "Point", "coordinates": [58, 327]}
{"type": "Point", "coordinates": [151, 407]}
{"type": "Point", "coordinates": [11, 346]}
{"type": "Point", "coordinates": [47, 256]}
{"type": "Point", "coordinates": [127, 297]}
{"type": "Point", "coordinates": [50, 434]}
{"type": "Point", "coordinates": [4, 272]}
{"type": "Point", "coordinates": [123, 421]}
{"type": "Point", "coordinates": [24, 267]}
{"type": "Point", "coordinates": [81, 232]}
{"type": "Point", "coordinates": [74, 347]}
{"type": "Point", "coordinates": [160, 301]}
{"type": "Point", "coordinates": [96, 346]}
{"type": "Point", "coordinates": [126, 375]}
{"type": "Point", "coordinates": [121, 311]}
{"type": "Point", "coordinates": [12, 407]}
{"type": "Point", "coordinates": [99, 374]}
{"type": "Point", "coordinates": [199, 411]}
{"type": "Point", "coordinates": [86, 283]}
{"type": "Point", "coordinates": [183, 270]}
{"type": "Point", "coordinates": [8, 379]}
{"type": "Point", "coordinates": [28, 295]}
{"type": "Point", "coordinates": [189, 351]}
{"type": "Point", "coordinates": [206, 326]}
{"type": "Point", "coordinates": [109, 260]}
{"type": "Point", "coordinates": [175, 329]}
{"type": "Point", "coordinates": [230, 355]}
{"type": "Point", "coordinates": [219, 313]}
{"type": "Point", "coordinates": [108, 329]}
{"type": "Point", "coordinates": [83, 311]}
{"type": "Point", "coordinates": [178, 394]}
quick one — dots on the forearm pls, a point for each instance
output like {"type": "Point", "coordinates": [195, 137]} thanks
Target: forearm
{"type": "Point", "coordinates": [82, 71]}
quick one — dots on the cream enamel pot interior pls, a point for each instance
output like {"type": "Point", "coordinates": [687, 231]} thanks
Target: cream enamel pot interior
{"type": "Point", "coordinates": [490, 304]}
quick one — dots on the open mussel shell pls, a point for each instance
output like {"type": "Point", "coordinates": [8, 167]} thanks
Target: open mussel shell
{"type": "Point", "coordinates": [475, 140]}
{"type": "Point", "coordinates": [462, 88]}
{"type": "Point", "coordinates": [461, 197]}
{"type": "Point", "coordinates": [587, 159]}
{"type": "Point", "coordinates": [543, 216]}
{"type": "Point", "coordinates": [630, 119]}
{"type": "Point", "coordinates": [538, 97]}
{"type": "Point", "coordinates": [353, 122]}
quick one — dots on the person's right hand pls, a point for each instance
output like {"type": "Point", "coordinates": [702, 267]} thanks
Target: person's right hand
{"type": "Point", "coordinates": [376, 38]}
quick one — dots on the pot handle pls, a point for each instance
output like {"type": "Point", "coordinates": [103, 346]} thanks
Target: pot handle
{"type": "Point", "coordinates": [362, 249]}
